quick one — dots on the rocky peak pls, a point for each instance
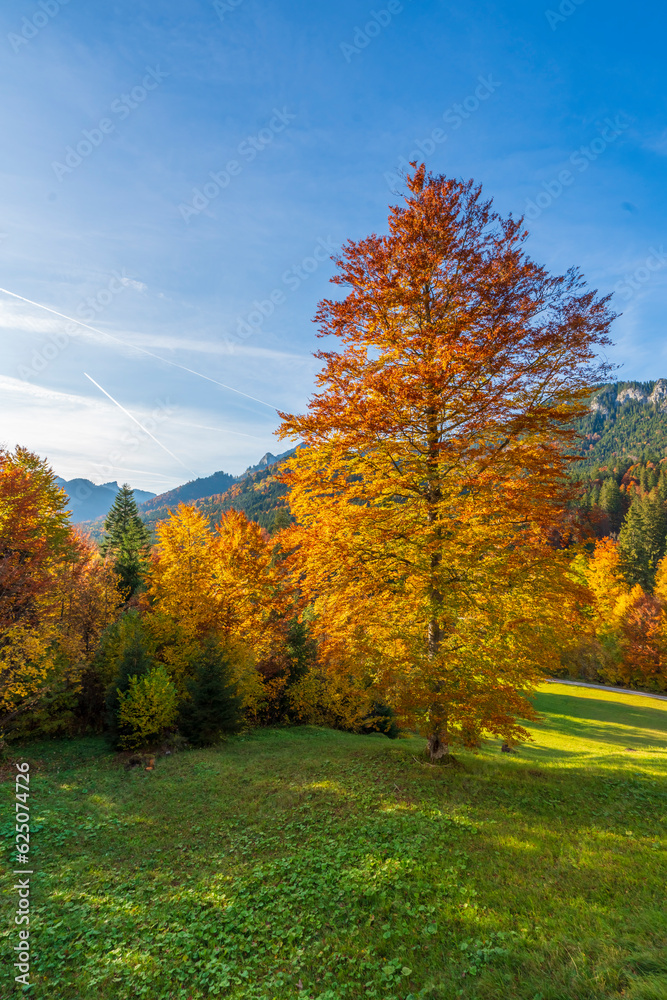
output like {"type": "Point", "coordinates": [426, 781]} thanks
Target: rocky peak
{"type": "Point", "coordinates": [659, 394]}
{"type": "Point", "coordinates": [631, 393]}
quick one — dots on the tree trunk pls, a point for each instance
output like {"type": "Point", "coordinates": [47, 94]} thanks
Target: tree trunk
{"type": "Point", "coordinates": [438, 744]}
{"type": "Point", "coordinates": [437, 747]}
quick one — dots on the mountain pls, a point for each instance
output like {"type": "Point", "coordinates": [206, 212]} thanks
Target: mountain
{"type": "Point", "coordinates": [88, 501]}
{"type": "Point", "coordinates": [627, 421]}
{"type": "Point", "coordinates": [266, 461]}
{"type": "Point", "coordinates": [207, 486]}
{"type": "Point", "coordinates": [193, 490]}
{"type": "Point", "coordinates": [255, 491]}
{"type": "Point", "coordinates": [258, 494]}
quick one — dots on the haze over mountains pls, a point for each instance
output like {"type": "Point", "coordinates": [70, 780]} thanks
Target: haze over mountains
{"type": "Point", "coordinates": [89, 502]}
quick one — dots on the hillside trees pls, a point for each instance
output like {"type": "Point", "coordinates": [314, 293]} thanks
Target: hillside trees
{"type": "Point", "coordinates": [56, 593]}
{"type": "Point", "coordinates": [629, 623]}
{"type": "Point", "coordinates": [222, 586]}
{"type": "Point", "coordinates": [434, 467]}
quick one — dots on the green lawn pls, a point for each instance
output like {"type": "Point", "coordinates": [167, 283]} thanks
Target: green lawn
{"type": "Point", "coordinates": [310, 864]}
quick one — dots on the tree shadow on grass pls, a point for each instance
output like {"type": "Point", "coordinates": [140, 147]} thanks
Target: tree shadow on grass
{"type": "Point", "coordinates": [609, 712]}
{"type": "Point", "coordinates": [612, 734]}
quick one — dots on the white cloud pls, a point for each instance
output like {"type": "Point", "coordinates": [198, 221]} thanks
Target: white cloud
{"type": "Point", "coordinates": [83, 436]}
{"type": "Point", "coordinates": [139, 286]}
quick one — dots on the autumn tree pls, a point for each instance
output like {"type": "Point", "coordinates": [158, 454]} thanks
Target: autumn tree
{"type": "Point", "coordinates": [643, 642]}
{"type": "Point", "coordinates": [435, 460]}
{"type": "Point", "coordinates": [255, 602]}
{"type": "Point", "coordinates": [56, 593]}
{"type": "Point", "coordinates": [217, 584]}
{"type": "Point", "coordinates": [34, 535]}
{"type": "Point", "coordinates": [182, 583]}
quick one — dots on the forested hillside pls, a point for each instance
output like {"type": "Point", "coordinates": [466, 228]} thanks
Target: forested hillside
{"type": "Point", "coordinates": [259, 495]}
{"type": "Point", "coordinates": [627, 421]}
{"type": "Point", "coordinates": [196, 488]}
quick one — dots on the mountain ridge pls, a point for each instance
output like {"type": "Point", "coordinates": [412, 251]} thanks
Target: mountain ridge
{"type": "Point", "coordinates": [88, 501]}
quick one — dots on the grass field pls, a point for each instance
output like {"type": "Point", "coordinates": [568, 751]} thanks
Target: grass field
{"type": "Point", "coordinates": [310, 864]}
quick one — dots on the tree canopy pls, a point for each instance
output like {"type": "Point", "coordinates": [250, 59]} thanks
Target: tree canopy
{"type": "Point", "coordinates": [435, 461]}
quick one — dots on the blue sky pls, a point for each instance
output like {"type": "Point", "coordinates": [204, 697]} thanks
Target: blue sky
{"type": "Point", "coordinates": [117, 115]}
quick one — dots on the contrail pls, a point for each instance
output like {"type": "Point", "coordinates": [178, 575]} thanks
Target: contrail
{"type": "Point", "coordinates": [139, 424]}
{"type": "Point", "coordinates": [134, 347]}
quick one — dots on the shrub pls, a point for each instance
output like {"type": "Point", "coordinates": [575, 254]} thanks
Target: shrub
{"type": "Point", "coordinates": [134, 660]}
{"type": "Point", "coordinates": [147, 708]}
{"type": "Point", "coordinates": [382, 719]}
{"type": "Point", "coordinates": [213, 707]}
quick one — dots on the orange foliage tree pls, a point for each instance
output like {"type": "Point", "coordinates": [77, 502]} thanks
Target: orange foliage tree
{"type": "Point", "coordinates": [434, 466]}
{"type": "Point", "coordinates": [643, 642]}
{"type": "Point", "coordinates": [56, 593]}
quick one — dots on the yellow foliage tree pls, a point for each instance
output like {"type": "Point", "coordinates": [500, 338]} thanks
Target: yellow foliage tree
{"type": "Point", "coordinates": [56, 594]}
{"type": "Point", "coordinates": [605, 579]}
{"type": "Point", "coordinates": [222, 583]}
{"type": "Point", "coordinates": [147, 708]}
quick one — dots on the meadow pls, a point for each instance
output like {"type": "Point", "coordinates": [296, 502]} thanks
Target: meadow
{"type": "Point", "coordinates": [316, 864]}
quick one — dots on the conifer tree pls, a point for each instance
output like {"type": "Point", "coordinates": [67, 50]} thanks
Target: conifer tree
{"type": "Point", "coordinates": [662, 485]}
{"type": "Point", "coordinates": [611, 503]}
{"type": "Point", "coordinates": [136, 660]}
{"type": "Point", "coordinates": [127, 540]}
{"type": "Point", "coordinates": [632, 547]}
{"type": "Point", "coordinates": [654, 524]}
{"type": "Point", "coordinates": [214, 707]}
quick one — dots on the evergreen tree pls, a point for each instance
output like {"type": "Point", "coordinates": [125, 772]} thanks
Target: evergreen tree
{"type": "Point", "coordinates": [654, 524]}
{"type": "Point", "coordinates": [214, 707]}
{"type": "Point", "coordinates": [662, 485]}
{"type": "Point", "coordinates": [281, 519]}
{"type": "Point", "coordinates": [611, 503]}
{"type": "Point", "coordinates": [382, 719]}
{"type": "Point", "coordinates": [127, 540]}
{"type": "Point", "coordinates": [301, 648]}
{"type": "Point", "coordinates": [632, 547]}
{"type": "Point", "coordinates": [135, 661]}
